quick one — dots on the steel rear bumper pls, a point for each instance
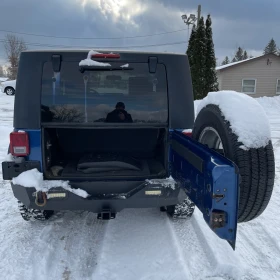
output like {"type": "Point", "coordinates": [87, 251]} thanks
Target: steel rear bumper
{"type": "Point", "coordinates": [140, 197]}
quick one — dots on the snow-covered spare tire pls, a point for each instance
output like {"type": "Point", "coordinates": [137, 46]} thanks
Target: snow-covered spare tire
{"type": "Point", "coordinates": [218, 125]}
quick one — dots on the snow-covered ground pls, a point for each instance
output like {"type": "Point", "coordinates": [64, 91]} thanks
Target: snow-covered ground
{"type": "Point", "coordinates": [139, 244]}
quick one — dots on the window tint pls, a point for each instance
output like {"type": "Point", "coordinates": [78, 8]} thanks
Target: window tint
{"type": "Point", "coordinates": [104, 96]}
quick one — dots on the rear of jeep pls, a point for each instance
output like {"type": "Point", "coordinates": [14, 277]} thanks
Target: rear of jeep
{"type": "Point", "coordinates": [64, 108]}
{"type": "Point", "coordinates": [111, 125]}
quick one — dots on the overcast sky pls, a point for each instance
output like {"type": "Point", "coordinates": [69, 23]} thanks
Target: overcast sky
{"type": "Point", "coordinates": [246, 23]}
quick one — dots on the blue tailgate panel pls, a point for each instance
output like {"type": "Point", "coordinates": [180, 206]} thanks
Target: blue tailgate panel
{"type": "Point", "coordinates": [211, 182]}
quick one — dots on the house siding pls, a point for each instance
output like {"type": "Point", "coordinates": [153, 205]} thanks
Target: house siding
{"type": "Point", "coordinates": [266, 75]}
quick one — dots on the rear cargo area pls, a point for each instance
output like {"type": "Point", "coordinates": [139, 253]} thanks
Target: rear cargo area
{"type": "Point", "coordinates": [104, 153]}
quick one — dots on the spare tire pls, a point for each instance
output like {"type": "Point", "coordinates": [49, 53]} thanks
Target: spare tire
{"type": "Point", "coordinates": [256, 166]}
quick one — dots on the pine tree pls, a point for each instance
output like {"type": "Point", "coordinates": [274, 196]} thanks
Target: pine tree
{"type": "Point", "coordinates": [238, 55]}
{"type": "Point", "coordinates": [226, 61]}
{"type": "Point", "coordinates": [271, 48]}
{"type": "Point", "coordinates": [211, 80]}
{"type": "Point", "coordinates": [191, 46]}
{"type": "Point", "coordinates": [245, 55]}
{"type": "Point", "coordinates": [197, 53]}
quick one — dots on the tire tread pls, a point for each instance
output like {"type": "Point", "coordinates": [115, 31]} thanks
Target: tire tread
{"type": "Point", "coordinates": [256, 167]}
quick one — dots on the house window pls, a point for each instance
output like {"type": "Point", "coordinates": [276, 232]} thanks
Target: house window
{"type": "Point", "coordinates": [249, 86]}
{"type": "Point", "coordinates": [278, 87]}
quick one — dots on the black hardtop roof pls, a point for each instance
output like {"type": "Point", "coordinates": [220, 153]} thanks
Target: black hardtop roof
{"type": "Point", "coordinates": [27, 113]}
{"type": "Point", "coordinates": [85, 51]}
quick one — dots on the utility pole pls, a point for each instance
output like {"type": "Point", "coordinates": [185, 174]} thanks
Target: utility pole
{"type": "Point", "coordinates": [192, 19]}
{"type": "Point", "coordinates": [198, 13]}
{"type": "Point", "coordinates": [189, 21]}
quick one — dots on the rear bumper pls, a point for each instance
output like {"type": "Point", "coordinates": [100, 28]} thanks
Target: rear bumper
{"type": "Point", "coordinates": [136, 198]}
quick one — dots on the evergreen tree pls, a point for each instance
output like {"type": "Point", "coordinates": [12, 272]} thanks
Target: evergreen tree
{"type": "Point", "coordinates": [245, 55]}
{"type": "Point", "coordinates": [191, 46]}
{"type": "Point", "coordinates": [238, 55]}
{"type": "Point", "coordinates": [211, 80]}
{"type": "Point", "coordinates": [197, 53]}
{"type": "Point", "coordinates": [271, 48]}
{"type": "Point", "coordinates": [226, 61]}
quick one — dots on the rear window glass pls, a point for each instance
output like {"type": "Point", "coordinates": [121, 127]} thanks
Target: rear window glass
{"type": "Point", "coordinates": [130, 95]}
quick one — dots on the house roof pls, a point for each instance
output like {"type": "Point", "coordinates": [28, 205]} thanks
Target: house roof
{"type": "Point", "coordinates": [239, 62]}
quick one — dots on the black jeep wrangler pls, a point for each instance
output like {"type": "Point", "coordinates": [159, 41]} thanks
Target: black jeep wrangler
{"type": "Point", "coordinates": [112, 125]}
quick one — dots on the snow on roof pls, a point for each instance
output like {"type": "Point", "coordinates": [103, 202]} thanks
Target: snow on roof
{"type": "Point", "coordinates": [235, 63]}
{"type": "Point", "coordinates": [247, 117]}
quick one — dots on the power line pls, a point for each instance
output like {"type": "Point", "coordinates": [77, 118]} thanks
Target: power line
{"type": "Point", "coordinates": [93, 38]}
{"type": "Point", "coordinates": [99, 47]}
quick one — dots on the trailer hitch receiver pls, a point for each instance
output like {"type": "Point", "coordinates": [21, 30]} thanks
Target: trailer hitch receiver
{"type": "Point", "coordinates": [106, 214]}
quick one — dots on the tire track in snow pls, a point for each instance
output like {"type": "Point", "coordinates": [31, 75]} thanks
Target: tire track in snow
{"type": "Point", "coordinates": [222, 260]}
{"type": "Point", "coordinates": [190, 246]}
{"type": "Point", "coordinates": [139, 244]}
{"type": "Point", "coordinates": [258, 244]}
{"type": "Point", "coordinates": [67, 248]}
{"type": "Point", "coordinates": [16, 236]}
{"type": "Point", "coordinates": [259, 264]}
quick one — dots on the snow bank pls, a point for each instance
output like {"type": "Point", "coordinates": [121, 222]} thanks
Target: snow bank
{"type": "Point", "coordinates": [34, 179]}
{"type": "Point", "coordinates": [167, 183]}
{"type": "Point", "coordinates": [196, 103]}
{"type": "Point", "coordinates": [270, 104]}
{"type": "Point", "coordinates": [89, 62]}
{"type": "Point", "coordinates": [125, 65]}
{"type": "Point", "coordinates": [247, 117]}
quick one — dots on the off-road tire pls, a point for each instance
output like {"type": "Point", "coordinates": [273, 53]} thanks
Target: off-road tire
{"type": "Point", "coordinates": [34, 214]}
{"type": "Point", "coordinates": [256, 166]}
{"type": "Point", "coordinates": [10, 91]}
{"type": "Point", "coordinates": [182, 210]}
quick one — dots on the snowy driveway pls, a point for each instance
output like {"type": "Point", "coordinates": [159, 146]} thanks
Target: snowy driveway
{"type": "Point", "coordinates": [139, 244]}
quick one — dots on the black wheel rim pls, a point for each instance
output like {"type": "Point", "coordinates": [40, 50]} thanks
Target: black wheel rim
{"type": "Point", "coordinates": [9, 91]}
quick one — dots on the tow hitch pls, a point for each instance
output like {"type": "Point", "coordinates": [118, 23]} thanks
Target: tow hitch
{"type": "Point", "coordinates": [106, 214]}
{"type": "Point", "coordinates": [41, 199]}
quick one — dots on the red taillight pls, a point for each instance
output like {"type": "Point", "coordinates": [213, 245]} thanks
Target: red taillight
{"type": "Point", "coordinates": [19, 144]}
{"type": "Point", "coordinates": [106, 55]}
{"type": "Point", "coordinates": [187, 133]}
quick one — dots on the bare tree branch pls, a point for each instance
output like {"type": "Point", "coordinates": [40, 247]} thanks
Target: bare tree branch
{"type": "Point", "coordinates": [13, 47]}
{"type": "Point", "coordinates": [1, 71]}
